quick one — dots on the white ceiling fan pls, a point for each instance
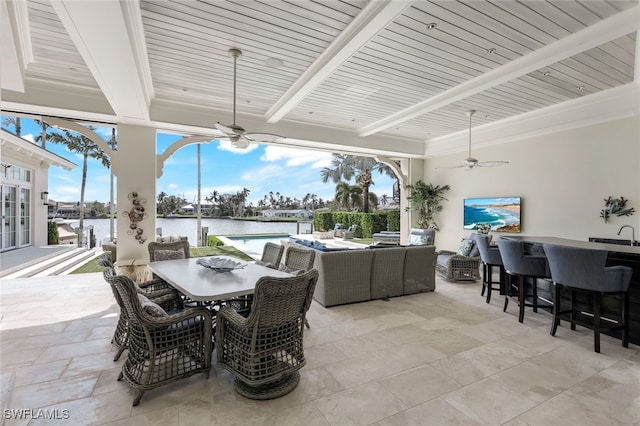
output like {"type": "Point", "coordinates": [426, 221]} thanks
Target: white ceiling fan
{"type": "Point", "coordinates": [233, 132]}
{"type": "Point", "coordinates": [469, 163]}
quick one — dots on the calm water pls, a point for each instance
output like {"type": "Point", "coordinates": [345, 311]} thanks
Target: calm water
{"type": "Point", "coordinates": [188, 227]}
{"type": "Point", "coordinates": [494, 216]}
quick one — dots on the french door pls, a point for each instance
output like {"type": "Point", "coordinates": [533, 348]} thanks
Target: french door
{"type": "Point", "coordinates": [15, 230]}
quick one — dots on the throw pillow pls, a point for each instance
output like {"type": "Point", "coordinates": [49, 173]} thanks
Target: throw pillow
{"type": "Point", "coordinates": [168, 254]}
{"type": "Point", "coordinates": [465, 247]}
{"type": "Point", "coordinates": [417, 240]}
{"type": "Point", "coordinates": [151, 308]}
{"type": "Point", "coordinates": [475, 251]}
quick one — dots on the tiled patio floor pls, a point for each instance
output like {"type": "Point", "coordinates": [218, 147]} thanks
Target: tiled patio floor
{"type": "Point", "coordinates": [436, 358]}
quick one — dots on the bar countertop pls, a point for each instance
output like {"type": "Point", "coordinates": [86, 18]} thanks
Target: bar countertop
{"type": "Point", "coordinates": [577, 243]}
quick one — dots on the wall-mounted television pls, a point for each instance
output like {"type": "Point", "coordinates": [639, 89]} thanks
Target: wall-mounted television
{"type": "Point", "coordinates": [502, 213]}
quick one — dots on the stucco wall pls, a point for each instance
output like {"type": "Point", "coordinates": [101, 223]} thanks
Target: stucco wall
{"type": "Point", "coordinates": [562, 178]}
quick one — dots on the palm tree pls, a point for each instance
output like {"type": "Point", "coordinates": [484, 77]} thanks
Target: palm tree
{"type": "Point", "coordinates": [385, 169]}
{"type": "Point", "coordinates": [15, 122]}
{"type": "Point", "coordinates": [87, 148]}
{"type": "Point", "coordinates": [348, 196]}
{"type": "Point", "coordinates": [384, 199]}
{"type": "Point", "coordinates": [348, 166]}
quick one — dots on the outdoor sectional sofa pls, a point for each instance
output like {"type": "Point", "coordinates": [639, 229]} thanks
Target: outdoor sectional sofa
{"type": "Point", "coordinates": [358, 275]}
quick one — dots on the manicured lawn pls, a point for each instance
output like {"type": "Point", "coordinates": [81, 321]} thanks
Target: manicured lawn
{"type": "Point", "coordinates": [92, 265]}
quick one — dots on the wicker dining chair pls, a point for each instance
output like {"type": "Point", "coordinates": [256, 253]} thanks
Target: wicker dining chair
{"type": "Point", "coordinates": [168, 300]}
{"type": "Point", "coordinates": [153, 288]}
{"type": "Point", "coordinates": [298, 260]}
{"type": "Point", "coordinates": [264, 351]}
{"type": "Point", "coordinates": [167, 251]}
{"type": "Point", "coordinates": [271, 255]}
{"type": "Point", "coordinates": [163, 346]}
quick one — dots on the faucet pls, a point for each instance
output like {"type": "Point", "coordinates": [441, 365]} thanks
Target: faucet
{"type": "Point", "coordinates": [633, 232]}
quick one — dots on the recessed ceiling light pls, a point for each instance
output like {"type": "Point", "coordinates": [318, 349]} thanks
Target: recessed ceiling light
{"type": "Point", "coordinates": [73, 69]}
{"type": "Point", "coordinates": [580, 87]}
{"type": "Point", "coordinates": [432, 26]}
{"type": "Point", "coordinates": [273, 62]}
{"type": "Point", "coordinates": [491, 50]}
{"type": "Point", "coordinates": [546, 73]}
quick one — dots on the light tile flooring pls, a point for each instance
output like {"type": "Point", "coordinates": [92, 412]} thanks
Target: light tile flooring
{"type": "Point", "coordinates": [440, 358]}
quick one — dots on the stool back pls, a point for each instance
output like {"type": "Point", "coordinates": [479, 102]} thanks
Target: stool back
{"type": "Point", "coordinates": [585, 269]}
{"type": "Point", "coordinates": [489, 255]}
{"type": "Point", "coordinates": [517, 262]}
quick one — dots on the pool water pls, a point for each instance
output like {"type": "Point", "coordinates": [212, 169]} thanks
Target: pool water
{"type": "Point", "coordinates": [254, 244]}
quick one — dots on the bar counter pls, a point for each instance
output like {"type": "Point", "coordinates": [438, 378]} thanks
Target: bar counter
{"type": "Point", "coordinates": [625, 255]}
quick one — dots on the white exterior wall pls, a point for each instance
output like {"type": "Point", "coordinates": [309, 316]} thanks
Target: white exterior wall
{"type": "Point", "coordinates": [39, 181]}
{"type": "Point", "coordinates": [563, 179]}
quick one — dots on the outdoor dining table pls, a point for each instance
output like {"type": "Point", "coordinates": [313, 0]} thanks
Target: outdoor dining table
{"type": "Point", "coordinates": [202, 284]}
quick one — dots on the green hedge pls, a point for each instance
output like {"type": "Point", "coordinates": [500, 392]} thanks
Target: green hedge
{"type": "Point", "coordinates": [53, 237]}
{"type": "Point", "coordinates": [393, 220]}
{"type": "Point", "coordinates": [213, 241]}
{"type": "Point", "coordinates": [368, 223]}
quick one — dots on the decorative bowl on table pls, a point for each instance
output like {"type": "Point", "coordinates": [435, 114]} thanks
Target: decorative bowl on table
{"type": "Point", "coordinates": [220, 264]}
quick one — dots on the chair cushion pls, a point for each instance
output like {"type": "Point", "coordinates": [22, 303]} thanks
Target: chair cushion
{"type": "Point", "coordinates": [465, 247]}
{"type": "Point", "coordinates": [169, 254]}
{"type": "Point", "coordinates": [285, 268]}
{"type": "Point", "coordinates": [151, 308]}
{"type": "Point", "coordinates": [267, 264]}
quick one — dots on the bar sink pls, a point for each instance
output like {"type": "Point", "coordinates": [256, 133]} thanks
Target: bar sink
{"type": "Point", "coordinates": [616, 241]}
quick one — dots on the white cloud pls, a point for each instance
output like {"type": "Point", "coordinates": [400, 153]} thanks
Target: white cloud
{"type": "Point", "coordinates": [173, 186]}
{"type": "Point", "coordinates": [297, 157]}
{"type": "Point", "coordinates": [268, 172]}
{"type": "Point", "coordinates": [28, 137]}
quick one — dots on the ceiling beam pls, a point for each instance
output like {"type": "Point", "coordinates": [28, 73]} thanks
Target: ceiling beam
{"type": "Point", "coordinates": [593, 36]}
{"type": "Point", "coordinates": [369, 22]}
{"type": "Point", "coordinates": [108, 35]}
{"type": "Point", "coordinates": [15, 45]}
{"type": "Point", "coordinates": [608, 105]}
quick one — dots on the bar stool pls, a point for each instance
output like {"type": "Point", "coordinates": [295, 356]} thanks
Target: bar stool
{"type": "Point", "coordinates": [490, 258]}
{"type": "Point", "coordinates": [519, 265]}
{"type": "Point", "coordinates": [583, 270]}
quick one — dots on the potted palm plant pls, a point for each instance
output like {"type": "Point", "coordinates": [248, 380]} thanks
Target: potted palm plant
{"type": "Point", "coordinates": [425, 198]}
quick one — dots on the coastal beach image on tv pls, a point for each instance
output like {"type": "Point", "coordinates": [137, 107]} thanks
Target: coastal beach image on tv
{"type": "Point", "coordinates": [502, 213]}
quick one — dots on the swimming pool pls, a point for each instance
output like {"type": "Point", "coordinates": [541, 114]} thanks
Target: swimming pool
{"type": "Point", "coordinates": [254, 244]}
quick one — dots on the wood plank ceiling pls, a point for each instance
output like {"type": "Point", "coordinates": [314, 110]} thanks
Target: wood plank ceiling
{"type": "Point", "coordinates": [413, 78]}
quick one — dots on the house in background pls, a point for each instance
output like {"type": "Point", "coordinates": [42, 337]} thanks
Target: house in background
{"type": "Point", "coordinates": [23, 188]}
{"type": "Point", "coordinates": [273, 214]}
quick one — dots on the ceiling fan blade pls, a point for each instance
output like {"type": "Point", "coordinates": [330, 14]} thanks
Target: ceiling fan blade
{"type": "Point", "coordinates": [491, 163]}
{"type": "Point", "coordinates": [263, 137]}
{"type": "Point", "coordinates": [227, 130]}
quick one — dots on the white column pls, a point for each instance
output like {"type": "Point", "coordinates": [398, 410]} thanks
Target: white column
{"type": "Point", "coordinates": [39, 220]}
{"type": "Point", "coordinates": [414, 171]}
{"type": "Point", "coordinates": [135, 167]}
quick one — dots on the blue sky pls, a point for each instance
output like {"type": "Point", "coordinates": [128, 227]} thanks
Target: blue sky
{"type": "Point", "coordinates": [260, 168]}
